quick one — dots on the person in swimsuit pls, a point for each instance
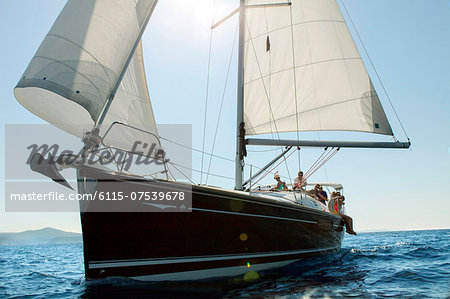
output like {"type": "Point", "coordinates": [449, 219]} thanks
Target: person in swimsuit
{"type": "Point", "coordinates": [280, 185]}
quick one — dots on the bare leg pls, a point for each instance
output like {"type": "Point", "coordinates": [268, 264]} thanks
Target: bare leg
{"type": "Point", "coordinates": [348, 224]}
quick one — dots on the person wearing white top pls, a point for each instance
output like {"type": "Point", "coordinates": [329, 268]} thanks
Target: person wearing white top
{"type": "Point", "coordinates": [299, 182]}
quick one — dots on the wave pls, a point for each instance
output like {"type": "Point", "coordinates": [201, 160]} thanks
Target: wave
{"type": "Point", "coordinates": [403, 264]}
{"type": "Point", "coordinates": [37, 274]}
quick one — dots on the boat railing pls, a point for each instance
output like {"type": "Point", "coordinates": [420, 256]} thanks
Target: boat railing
{"type": "Point", "coordinates": [301, 195]}
{"type": "Point", "coordinates": [335, 186]}
{"type": "Point", "coordinates": [131, 152]}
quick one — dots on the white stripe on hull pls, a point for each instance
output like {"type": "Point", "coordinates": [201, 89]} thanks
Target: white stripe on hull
{"type": "Point", "coordinates": [255, 215]}
{"type": "Point", "coordinates": [212, 273]}
{"type": "Point", "coordinates": [178, 260]}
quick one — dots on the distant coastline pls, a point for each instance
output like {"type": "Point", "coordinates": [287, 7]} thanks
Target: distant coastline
{"type": "Point", "coordinates": [45, 235]}
{"type": "Point", "coordinates": [399, 230]}
{"type": "Point", "coordinates": [49, 235]}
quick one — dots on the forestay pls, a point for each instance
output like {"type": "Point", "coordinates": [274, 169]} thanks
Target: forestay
{"type": "Point", "coordinates": [303, 72]}
{"type": "Point", "coordinates": [74, 71]}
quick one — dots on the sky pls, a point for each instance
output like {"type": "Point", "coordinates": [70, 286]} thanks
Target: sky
{"type": "Point", "coordinates": [408, 42]}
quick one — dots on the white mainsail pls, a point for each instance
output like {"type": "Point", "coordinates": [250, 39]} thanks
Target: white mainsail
{"type": "Point", "coordinates": [303, 72]}
{"type": "Point", "coordinates": [74, 71]}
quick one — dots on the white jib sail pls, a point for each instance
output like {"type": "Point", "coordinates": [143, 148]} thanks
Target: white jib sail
{"type": "Point", "coordinates": [302, 71]}
{"type": "Point", "coordinates": [75, 69]}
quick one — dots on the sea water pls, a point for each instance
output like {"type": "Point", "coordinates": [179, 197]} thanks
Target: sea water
{"type": "Point", "coordinates": [406, 264]}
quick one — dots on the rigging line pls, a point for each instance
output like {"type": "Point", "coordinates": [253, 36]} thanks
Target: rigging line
{"type": "Point", "coordinates": [314, 164]}
{"type": "Point", "coordinates": [270, 79]}
{"type": "Point", "coordinates": [265, 87]}
{"type": "Point", "coordinates": [318, 164]}
{"type": "Point", "coordinates": [270, 65]}
{"type": "Point", "coordinates": [326, 174]}
{"type": "Point", "coordinates": [281, 176]}
{"type": "Point", "coordinates": [287, 168]}
{"type": "Point", "coordinates": [324, 160]}
{"type": "Point", "coordinates": [173, 177]}
{"type": "Point", "coordinates": [221, 103]}
{"type": "Point", "coordinates": [269, 87]}
{"type": "Point", "coordinates": [373, 66]}
{"type": "Point", "coordinates": [322, 163]}
{"type": "Point", "coordinates": [261, 151]}
{"type": "Point", "coordinates": [109, 149]}
{"type": "Point", "coordinates": [324, 168]}
{"type": "Point", "coordinates": [170, 175]}
{"type": "Point", "coordinates": [206, 103]}
{"type": "Point", "coordinates": [264, 175]}
{"type": "Point", "coordinates": [314, 83]}
{"type": "Point", "coordinates": [196, 150]}
{"type": "Point", "coordinates": [262, 81]}
{"type": "Point", "coordinates": [153, 174]}
{"type": "Point", "coordinates": [198, 171]}
{"type": "Point", "coordinates": [173, 164]}
{"type": "Point", "coordinates": [295, 85]}
{"type": "Point", "coordinates": [207, 91]}
{"type": "Point", "coordinates": [269, 171]}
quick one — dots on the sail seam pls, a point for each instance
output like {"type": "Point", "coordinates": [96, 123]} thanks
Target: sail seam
{"type": "Point", "coordinates": [295, 24]}
{"type": "Point", "coordinates": [375, 70]}
{"type": "Point", "coordinates": [269, 59]}
{"type": "Point", "coordinates": [75, 71]}
{"type": "Point", "coordinates": [350, 82]}
{"type": "Point", "coordinates": [264, 85]}
{"type": "Point", "coordinates": [295, 94]}
{"type": "Point", "coordinates": [310, 110]}
{"type": "Point", "coordinates": [302, 66]}
{"type": "Point", "coordinates": [295, 89]}
{"type": "Point", "coordinates": [68, 40]}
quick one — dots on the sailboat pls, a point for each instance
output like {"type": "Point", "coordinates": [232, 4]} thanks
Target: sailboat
{"type": "Point", "coordinates": [299, 70]}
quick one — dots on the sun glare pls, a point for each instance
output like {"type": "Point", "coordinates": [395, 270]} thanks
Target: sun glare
{"type": "Point", "coordinates": [205, 12]}
{"type": "Point", "coordinates": [198, 11]}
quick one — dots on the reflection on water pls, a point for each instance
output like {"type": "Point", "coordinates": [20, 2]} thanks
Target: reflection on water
{"type": "Point", "coordinates": [404, 264]}
{"type": "Point", "coordinates": [316, 276]}
{"type": "Point", "coordinates": [127, 288]}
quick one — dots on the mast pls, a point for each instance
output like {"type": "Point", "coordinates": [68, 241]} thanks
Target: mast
{"type": "Point", "coordinates": [239, 165]}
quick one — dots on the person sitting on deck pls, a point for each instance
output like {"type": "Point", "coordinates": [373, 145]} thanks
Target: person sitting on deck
{"type": "Point", "coordinates": [280, 185]}
{"type": "Point", "coordinates": [322, 196]}
{"type": "Point", "coordinates": [319, 194]}
{"type": "Point", "coordinates": [335, 205]}
{"type": "Point", "coordinates": [314, 191]}
{"type": "Point", "coordinates": [299, 182]}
